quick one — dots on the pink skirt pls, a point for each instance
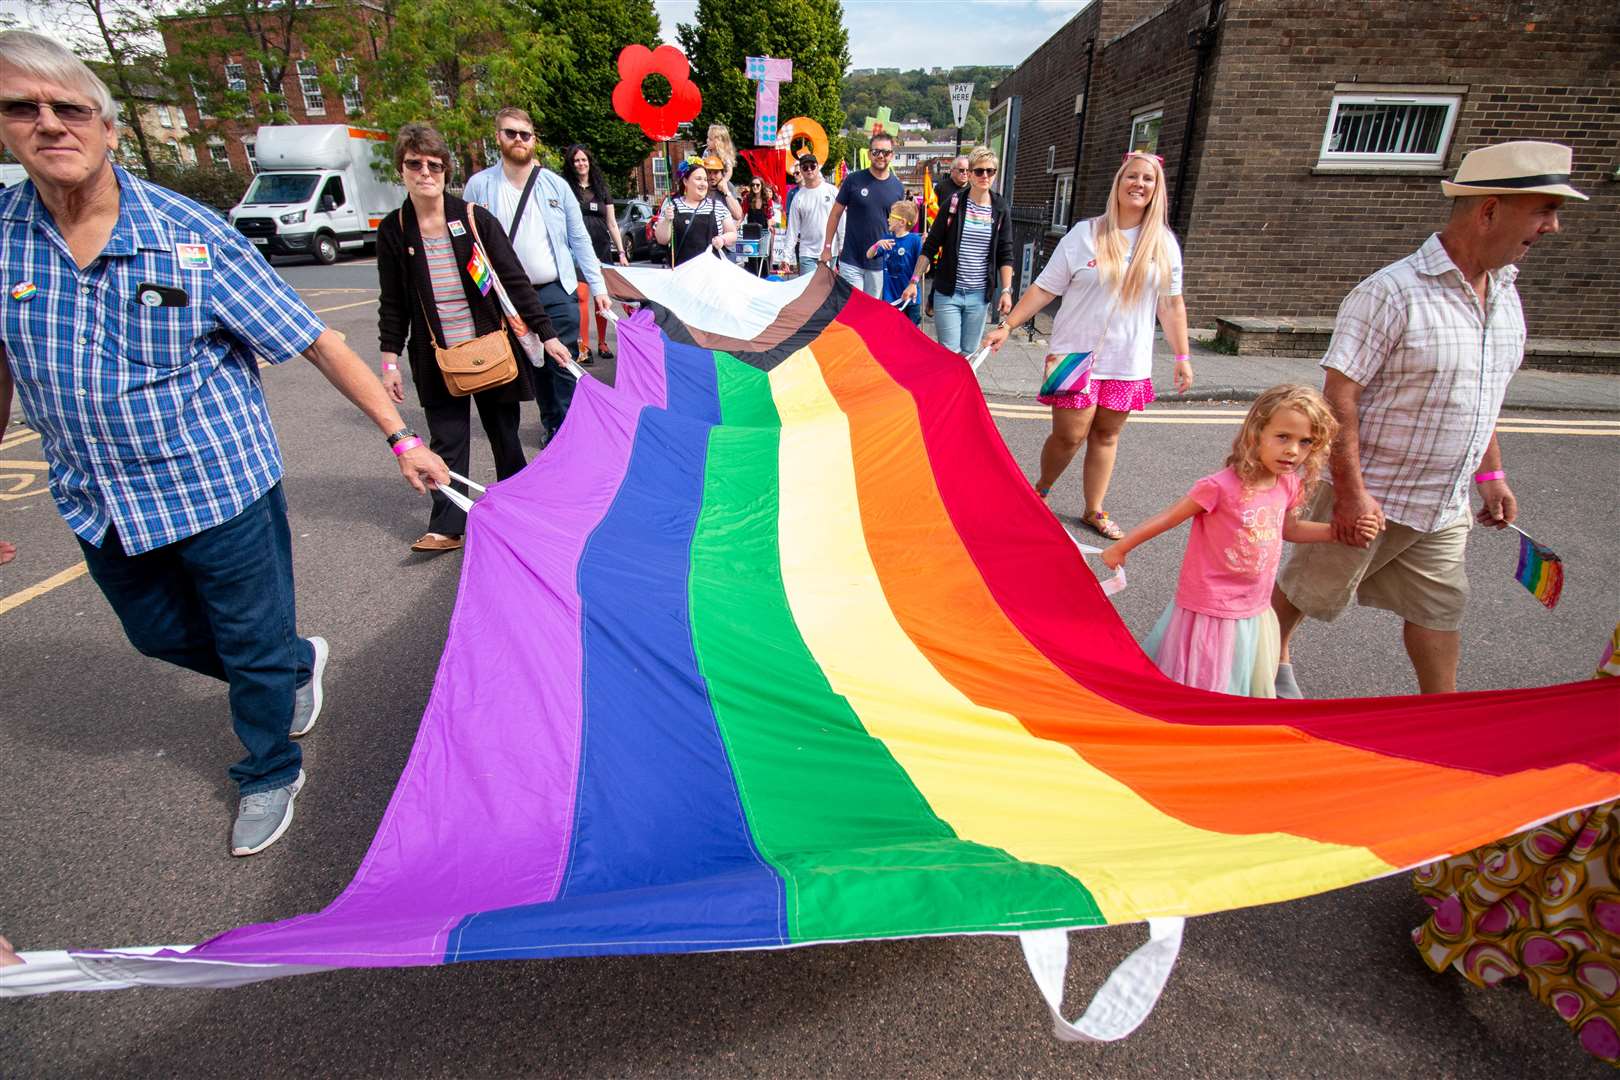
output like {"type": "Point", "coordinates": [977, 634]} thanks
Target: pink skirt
{"type": "Point", "coordinates": [1120, 395]}
{"type": "Point", "coordinates": [1229, 656]}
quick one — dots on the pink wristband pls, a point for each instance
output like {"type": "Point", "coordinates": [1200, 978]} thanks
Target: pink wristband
{"type": "Point", "coordinates": [404, 445]}
{"type": "Point", "coordinates": [1487, 477]}
{"type": "Point", "coordinates": [390, 367]}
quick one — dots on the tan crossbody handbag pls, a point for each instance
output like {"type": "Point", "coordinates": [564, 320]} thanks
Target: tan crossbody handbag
{"type": "Point", "coordinates": [485, 361]}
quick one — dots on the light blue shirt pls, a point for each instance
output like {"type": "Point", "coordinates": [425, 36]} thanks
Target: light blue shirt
{"type": "Point", "coordinates": [152, 418]}
{"type": "Point", "coordinates": [565, 225]}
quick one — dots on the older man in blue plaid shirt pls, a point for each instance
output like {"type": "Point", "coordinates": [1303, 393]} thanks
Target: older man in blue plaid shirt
{"type": "Point", "coordinates": [131, 332]}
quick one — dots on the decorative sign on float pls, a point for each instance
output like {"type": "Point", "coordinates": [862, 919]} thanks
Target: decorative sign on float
{"type": "Point", "coordinates": [657, 122]}
{"type": "Point", "coordinates": [800, 128]}
{"type": "Point", "coordinates": [770, 73]}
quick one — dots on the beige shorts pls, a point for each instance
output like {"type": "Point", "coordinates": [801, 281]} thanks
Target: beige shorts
{"type": "Point", "coordinates": [1417, 575]}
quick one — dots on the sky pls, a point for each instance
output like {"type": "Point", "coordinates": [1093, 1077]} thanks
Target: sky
{"type": "Point", "coordinates": [910, 34]}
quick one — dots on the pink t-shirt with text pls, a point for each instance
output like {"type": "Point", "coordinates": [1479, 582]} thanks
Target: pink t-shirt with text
{"type": "Point", "coordinates": [1235, 546]}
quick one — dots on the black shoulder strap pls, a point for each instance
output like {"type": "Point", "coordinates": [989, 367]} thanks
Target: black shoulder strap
{"type": "Point", "coordinates": [523, 201]}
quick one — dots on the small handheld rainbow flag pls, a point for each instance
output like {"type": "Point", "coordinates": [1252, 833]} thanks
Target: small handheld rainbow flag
{"type": "Point", "coordinates": [1070, 375]}
{"type": "Point", "coordinates": [478, 270]}
{"type": "Point", "coordinates": [1540, 569]}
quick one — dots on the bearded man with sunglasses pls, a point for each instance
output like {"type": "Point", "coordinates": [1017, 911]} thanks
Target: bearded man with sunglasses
{"type": "Point", "coordinates": [132, 332]}
{"type": "Point", "coordinates": [551, 241]}
{"type": "Point", "coordinates": [864, 197]}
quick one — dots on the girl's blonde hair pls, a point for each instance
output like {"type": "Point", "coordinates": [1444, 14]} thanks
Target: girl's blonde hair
{"type": "Point", "coordinates": [719, 137]}
{"type": "Point", "coordinates": [1152, 243]}
{"type": "Point", "coordinates": [1245, 456]}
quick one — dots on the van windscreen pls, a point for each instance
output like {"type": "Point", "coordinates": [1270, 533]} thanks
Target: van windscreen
{"type": "Point", "coordinates": [269, 188]}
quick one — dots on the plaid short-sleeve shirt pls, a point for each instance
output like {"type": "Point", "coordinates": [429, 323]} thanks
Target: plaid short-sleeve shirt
{"type": "Point", "coordinates": [1434, 367]}
{"type": "Point", "coordinates": [141, 370]}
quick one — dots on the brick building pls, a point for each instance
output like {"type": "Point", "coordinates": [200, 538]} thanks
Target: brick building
{"type": "Point", "coordinates": [1303, 143]}
{"type": "Point", "coordinates": [306, 85]}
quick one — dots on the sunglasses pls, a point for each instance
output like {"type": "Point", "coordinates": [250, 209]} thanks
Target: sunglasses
{"type": "Point", "coordinates": [1143, 153]}
{"type": "Point", "coordinates": [68, 112]}
{"type": "Point", "coordinates": [514, 135]}
{"type": "Point", "coordinates": [882, 153]}
{"type": "Point", "coordinates": [417, 165]}
{"type": "Point", "coordinates": [982, 171]}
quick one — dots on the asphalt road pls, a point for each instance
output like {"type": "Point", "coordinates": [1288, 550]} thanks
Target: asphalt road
{"type": "Point", "coordinates": [114, 813]}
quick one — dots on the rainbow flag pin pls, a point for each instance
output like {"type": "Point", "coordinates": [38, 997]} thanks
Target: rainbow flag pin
{"type": "Point", "coordinates": [23, 290]}
{"type": "Point", "coordinates": [1540, 569]}
{"type": "Point", "coordinates": [478, 270]}
{"type": "Point", "coordinates": [1070, 375]}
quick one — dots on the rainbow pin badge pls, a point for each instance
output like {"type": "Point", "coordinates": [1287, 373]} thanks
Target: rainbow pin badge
{"type": "Point", "coordinates": [23, 290]}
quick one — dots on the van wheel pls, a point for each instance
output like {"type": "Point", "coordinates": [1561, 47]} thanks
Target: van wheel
{"type": "Point", "coordinates": [326, 249]}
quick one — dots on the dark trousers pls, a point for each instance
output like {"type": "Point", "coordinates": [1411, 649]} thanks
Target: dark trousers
{"type": "Point", "coordinates": [221, 604]}
{"type": "Point", "coordinates": [554, 387]}
{"type": "Point", "coordinates": [450, 436]}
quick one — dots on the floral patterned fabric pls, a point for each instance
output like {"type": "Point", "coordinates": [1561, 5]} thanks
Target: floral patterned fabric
{"type": "Point", "coordinates": [1542, 905]}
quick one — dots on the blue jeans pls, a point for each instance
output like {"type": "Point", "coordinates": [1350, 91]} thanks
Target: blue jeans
{"type": "Point", "coordinates": [869, 282]}
{"type": "Point", "coordinates": [553, 387]}
{"type": "Point", "coordinates": [959, 319]}
{"type": "Point", "coordinates": [807, 266]}
{"type": "Point", "coordinates": [220, 602]}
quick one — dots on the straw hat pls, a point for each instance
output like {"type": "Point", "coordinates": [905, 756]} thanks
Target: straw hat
{"type": "Point", "coordinates": [1514, 168]}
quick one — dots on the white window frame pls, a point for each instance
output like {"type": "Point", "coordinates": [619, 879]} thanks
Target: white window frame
{"type": "Point", "coordinates": [440, 92]}
{"type": "Point", "coordinates": [350, 81]}
{"type": "Point", "coordinates": [264, 78]}
{"type": "Point", "coordinates": [165, 118]}
{"type": "Point", "coordinates": [309, 83]}
{"type": "Point", "coordinates": [660, 175]}
{"type": "Point", "coordinates": [251, 147]}
{"type": "Point", "coordinates": [1390, 162]}
{"type": "Point", "coordinates": [1062, 196]}
{"type": "Point", "coordinates": [1051, 159]}
{"type": "Point", "coordinates": [236, 78]}
{"type": "Point", "coordinates": [218, 151]}
{"type": "Point", "coordinates": [1146, 116]}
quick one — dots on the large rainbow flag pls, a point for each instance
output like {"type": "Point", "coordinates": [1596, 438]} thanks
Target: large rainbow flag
{"type": "Point", "coordinates": [774, 645]}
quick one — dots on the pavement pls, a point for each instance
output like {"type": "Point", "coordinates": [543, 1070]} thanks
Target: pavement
{"type": "Point", "coordinates": [1017, 370]}
{"type": "Point", "coordinates": [114, 813]}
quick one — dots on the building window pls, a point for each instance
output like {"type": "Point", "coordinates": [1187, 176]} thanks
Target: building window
{"type": "Point", "coordinates": [1389, 130]}
{"type": "Point", "coordinates": [1061, 198]}
{"type": "Point", "coordinates": [441, 93]}
{"type": "Point", "coordinates": [264, 79]}
{"type": "Point", "coordinates": [1051, 159]}
{"type": "Point", "coordinates": [164, 117]}
{"type": "Point", "coordinates": [218, 155]}
{"type": "Point", "coordinates": [1145, 131]}
{"type": "Point", "coordinates": [252, 155]}
{"type": "Point", "coordinates": [660, 175]}
{"type": "Point", "coordinates": [351, 86]}
{"type": "Point", "coordinates": [236, 78]}
{"type": "Point", "coordinates": [309, 81]}
{"type": "Point", "coordinates": [201, 98]}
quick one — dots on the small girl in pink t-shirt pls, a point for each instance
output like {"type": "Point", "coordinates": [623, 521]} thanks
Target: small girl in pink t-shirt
{"type": "Point", "coordinates": [1220, 633]}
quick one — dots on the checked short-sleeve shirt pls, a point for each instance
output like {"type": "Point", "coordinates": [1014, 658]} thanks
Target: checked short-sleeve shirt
{"type": "Point", "coordinates": [153, 418]}
{"type": "Point", "coordinates": [1434, 368]}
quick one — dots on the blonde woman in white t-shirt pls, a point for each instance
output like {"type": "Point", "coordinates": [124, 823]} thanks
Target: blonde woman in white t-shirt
{"type": "Point", "coordinates": [1115, 273]}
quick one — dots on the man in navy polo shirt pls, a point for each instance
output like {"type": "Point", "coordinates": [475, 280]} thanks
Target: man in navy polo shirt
{"type": "Point", "coordinates": [131, 328]}
{"type": "Point", "coordinates": [865, 196]}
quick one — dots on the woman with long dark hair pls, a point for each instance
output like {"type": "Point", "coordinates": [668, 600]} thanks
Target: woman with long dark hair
{"type": "Point", "coordinates": [590, 187]}
{"type": "Point", "coordinates": [759, 210]}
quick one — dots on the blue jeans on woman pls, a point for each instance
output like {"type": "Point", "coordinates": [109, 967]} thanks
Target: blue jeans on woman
{"type": "Point", "coordinates": [220, 602]}
{"type": "Point", "coordinates": [959, 319]}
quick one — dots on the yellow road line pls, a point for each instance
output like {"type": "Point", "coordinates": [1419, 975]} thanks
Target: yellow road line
{"type": "Point", "coordinates": [10, 463]}
{"type": "Point", "coordinates": [1522, 427]}
{"type": "Point", "coordinates": [34, 592]}
{"type": "Point", "coordinates": [1010, 408]}
{"type": "Point", "coordinates": [18, 439]}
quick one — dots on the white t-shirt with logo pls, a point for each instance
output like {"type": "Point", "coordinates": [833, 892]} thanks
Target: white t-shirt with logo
{"type": "Point", "coordinates": [1089, 309]}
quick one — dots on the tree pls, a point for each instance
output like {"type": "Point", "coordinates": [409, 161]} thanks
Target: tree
{"type": "Point", "coordinates": [123, 36]}
{"type": "Point", "coordinates": [583, 111]}
{"type": "Point", "coordinates": [809, 32]}
{"type": "Point", "coordinates": [455, 63]}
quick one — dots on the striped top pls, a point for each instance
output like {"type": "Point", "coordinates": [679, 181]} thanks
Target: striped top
{"type": "Point", "coordinates": [455, 317]}
{"type": "Point", "coordinates": [973, 254]}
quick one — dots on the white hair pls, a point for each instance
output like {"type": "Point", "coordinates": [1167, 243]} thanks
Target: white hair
{"type": "Point", "coordinates": [43, 58]}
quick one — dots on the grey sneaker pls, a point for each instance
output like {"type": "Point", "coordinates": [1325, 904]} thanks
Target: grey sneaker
{"type": "Point", "coordinates": [307, 698]}
{"type": "Point", "coordinates": [1287, 686]}
{"type": "Point", "coordinates": [263, 816]}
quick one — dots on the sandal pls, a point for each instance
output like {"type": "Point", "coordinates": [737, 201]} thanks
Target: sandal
{"type": "Point", "coordinates": [584, 359]}
{"type": "Point", "coordinates": [1044, 492]}
{"type": "Point", "coordinates": [1103, 525]}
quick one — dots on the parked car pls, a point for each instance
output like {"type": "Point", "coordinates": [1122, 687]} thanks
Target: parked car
{"type": "Point", "coordinates": [634, 215]}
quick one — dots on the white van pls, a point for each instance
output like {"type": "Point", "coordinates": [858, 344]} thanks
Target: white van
{"type": "Point", "coordinates": [11, 175]}
{"type": "Point", "coordinates": [316, 192]}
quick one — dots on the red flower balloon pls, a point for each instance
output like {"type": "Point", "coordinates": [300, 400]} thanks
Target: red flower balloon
{"type": "Point", "coordinates": [658, 122]}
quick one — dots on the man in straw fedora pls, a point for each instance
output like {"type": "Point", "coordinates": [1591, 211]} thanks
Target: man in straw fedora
{"type": "Point", "coordinates": [1421, 355]}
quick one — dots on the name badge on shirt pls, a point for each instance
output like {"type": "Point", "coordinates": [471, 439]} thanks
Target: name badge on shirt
{"type": "Point", "coordinates": [457, 229]}
{"type": "Point", "coordinates": [192, 256]}
{"type": "Point", "coordinates": [149, 294]}
{"type": "Point", "coordinates": [595, 207]}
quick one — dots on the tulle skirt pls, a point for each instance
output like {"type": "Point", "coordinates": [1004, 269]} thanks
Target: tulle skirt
{"type": "Point", "coordinates": [1231, 656]}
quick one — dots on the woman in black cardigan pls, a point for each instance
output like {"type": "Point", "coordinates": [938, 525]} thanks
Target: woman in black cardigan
{"type": "Point", "coordinates": [427, 296]}
{"type": "Point", "coordinates": [971, 247]}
